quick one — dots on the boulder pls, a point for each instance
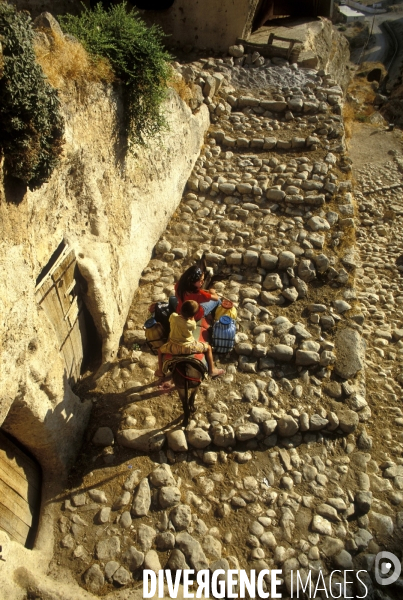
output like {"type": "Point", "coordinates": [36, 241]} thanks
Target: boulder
{"type": "Point", "coordinates": [47, 23]}
{"type": "Point", "coordinates": [281, 352]}
{"type": "Point", "coordinates": [192, 550]}
{"type": "Point", "coordinates": [133, 558]}
{"type": "Point", "coordinates": [142, 499]}
{"type": "Point", "coordinates": [94, 578]}
{"type": "Point", "coordinates": [198, 438]}
{"type": "Point", "coordinates": [181, 517]}
{"type": "Point", "coordinates": [161, 476]}
{"type": "Point", "coordinates": [268, 261]}
{"type": "Point", "coordinates": [103, 437]}
{"type": "Point", "coordinates": [169, 496]}
{"type": "Point", "coordinates": [350, 352]}
{"type": "Point", "coordinates": [177, 440]}
{"type": "Point", "coordinates": [145, 440]}
{"type": "Point", "coordinates": [287, 426]}
{"type": "Point", "coordinates": [306, 358]}
{"type": "Point", "coordinates": [246, 432]}
{"type": "Point", "coordinates": [236, 50]}
{"type": "Point", "coordinates": [286, 259]}
{"type": "Point", "coordinates": [152, 561]}
{"type": "Point", "coordinates": [223, 436]}
{"type": "Point", "coordinates": [348, 420]}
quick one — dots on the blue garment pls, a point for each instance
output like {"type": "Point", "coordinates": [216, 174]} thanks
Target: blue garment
{"type": "Point", "coordinates": [209, 306]}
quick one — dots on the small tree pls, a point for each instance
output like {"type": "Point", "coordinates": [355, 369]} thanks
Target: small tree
{"type": "Point", "coordinates": [138, 59]}
{"type": "Point", "coordinates": [31, 126]}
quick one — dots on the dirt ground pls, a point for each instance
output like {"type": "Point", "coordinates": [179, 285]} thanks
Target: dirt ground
{"type": "Point", "coordinates": [373, 143]}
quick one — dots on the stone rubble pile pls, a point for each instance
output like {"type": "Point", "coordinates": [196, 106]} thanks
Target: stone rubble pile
{"type": "Point", "coordinates": [277, 469]}
{"type": "Point", "coordinates": [246, 71]}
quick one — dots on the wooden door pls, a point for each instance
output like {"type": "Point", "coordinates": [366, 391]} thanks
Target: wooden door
{"type": "Point", "coordinates": [20, 492]}
{"type": "Point", "coordinates": [58, 294]}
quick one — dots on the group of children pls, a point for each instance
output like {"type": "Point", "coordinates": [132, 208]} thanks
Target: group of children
{"type": "Point", "coordinates": [193, 304]}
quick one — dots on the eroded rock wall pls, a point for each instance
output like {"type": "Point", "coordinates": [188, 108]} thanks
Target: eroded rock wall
{"type": "Point", "coordinates": [204, 23]}
{"type": "Point", "coordinates": [111, 208]}
{"type": "Point", "coordinates": [331, 49]}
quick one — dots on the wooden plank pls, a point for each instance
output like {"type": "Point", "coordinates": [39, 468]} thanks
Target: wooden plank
{"type": "Point", "coordinates": [65, 283]}
{"type": "Point", "coordinates": [63, 277]}
{"type": "Point", "coordinates": [13, 479]}
{"type": "Point", "coordinates": [48, 276]}
{"type": "Point", "coordinates": [77, 341]}
{"type": "Point", "coordinates": [42, 291]}
{"type": "Point", "coordinates": [273, 36]}
{"type": "Point", "coordinates": [16, 480]}
{"type": "Point", "coordinates": [53, 309]}
{"type": "Point", "coordinates": [72, 312]}
{"type": "Point", "coordinates": [15, 504]}
{"type": "Point", "coordinates": [63, 265]}
{"type": "Point", "coordinates": [77, 326]}
{"type": "Point", "coordinates": [19, 462]}
{"type": "Point", "coordinates": [71, 287]}
{"type": "Point", "coordinates": [16, 529]}
{"type": "Point", "coordinates": [28, 489]}
{"type": "Point", "coordinates": [68, 354]}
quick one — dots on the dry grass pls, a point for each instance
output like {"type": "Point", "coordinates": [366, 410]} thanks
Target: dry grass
{"type": "Point", "coordinates": [64, 61]}
{"type": "Point", "coordinates": [360, 112]}
{"type": "Point", "coordinates": [363, 91]}
{"type": "Point", "coordinates": [183, 89]}
{"type": "Point", "coordinates": [348, 117]}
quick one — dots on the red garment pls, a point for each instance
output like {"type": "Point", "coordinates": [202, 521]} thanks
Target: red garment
{"type": "Point", "coordinates": [199, 297]}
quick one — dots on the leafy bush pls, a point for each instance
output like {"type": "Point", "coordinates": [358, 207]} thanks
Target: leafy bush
{"type": "Point", "coordinates": [137, 56]}
{"type": "Point", "coordinates": [31, 126]}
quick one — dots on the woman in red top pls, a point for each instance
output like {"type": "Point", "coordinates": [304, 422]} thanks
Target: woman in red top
{"type": "Point", "coordinates": [189, 288]}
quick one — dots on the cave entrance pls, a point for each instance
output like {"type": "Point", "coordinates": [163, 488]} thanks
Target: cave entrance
{"type": "Point", "coordinates": [375, 75]}
{"type": "Point", "coordinates": [20, 491]}
{"type": "Point", "coordinates": [59, 292]}
{"type": "Point", "coordinates": [269, 10]}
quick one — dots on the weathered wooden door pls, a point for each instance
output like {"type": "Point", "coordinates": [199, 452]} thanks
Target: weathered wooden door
{"type": "Point", "coordinates": [20, 492]}
{"type": "Point", "coordinates": [58, 294]}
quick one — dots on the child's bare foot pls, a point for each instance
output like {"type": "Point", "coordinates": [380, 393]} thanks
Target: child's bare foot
{"type": "Point", "coordinates": [217, 373]}
{"type": "Point", "coordinates": [159, 373]}
{"type": "Point", "coordinates": [167, 386]}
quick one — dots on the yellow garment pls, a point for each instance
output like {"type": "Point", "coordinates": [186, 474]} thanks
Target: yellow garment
{"type": "Point", "coordinates": [220, 311]}
{"type": "Point", "coordinates": [181, 330]}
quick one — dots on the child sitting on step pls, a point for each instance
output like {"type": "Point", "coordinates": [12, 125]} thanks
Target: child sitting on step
{"type": "Point", "coordinates": [181, 340]}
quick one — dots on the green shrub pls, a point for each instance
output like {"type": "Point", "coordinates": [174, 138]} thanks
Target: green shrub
{"type": "Point", "coordinates": [138, 59]}
{"type": "Point", "coordinates": [31, 126]}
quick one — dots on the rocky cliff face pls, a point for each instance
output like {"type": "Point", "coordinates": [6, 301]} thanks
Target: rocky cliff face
{"type": "Point", "coordinates": [330, 48]}
{"type": "Point", "coordinates": [111, 209]}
